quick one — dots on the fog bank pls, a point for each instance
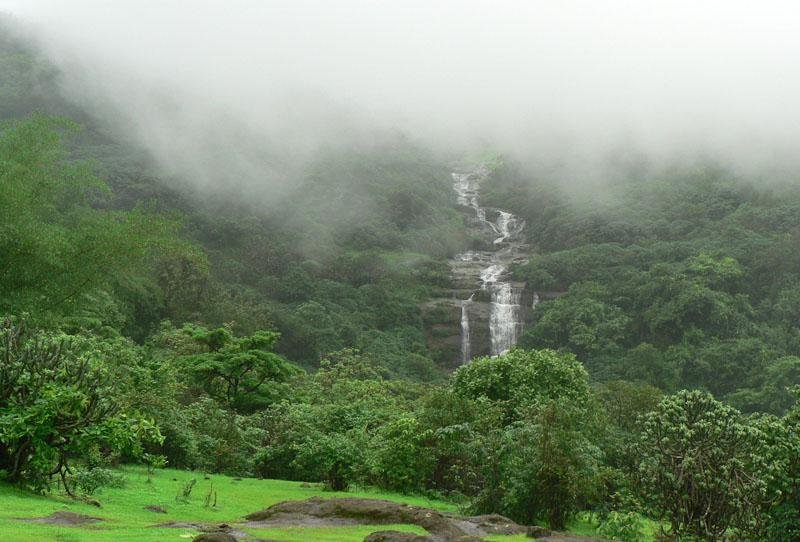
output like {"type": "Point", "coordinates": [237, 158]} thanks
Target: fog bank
{"type": "Point", "coordinates": [248, 89]}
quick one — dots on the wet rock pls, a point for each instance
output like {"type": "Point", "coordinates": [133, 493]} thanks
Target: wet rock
{"type": "Point", "coordinates": [494, 524]}
{"type": "Point", "coordinates": [534, 531]}
{"type": "Point", "coordinates": [365, 511]}
{"type": "Point", "coordinates": [442, 527]}
{"type": "Point", "coordinates": [217, 536]}
{"type": "Point", "coordinates": [396, 536]}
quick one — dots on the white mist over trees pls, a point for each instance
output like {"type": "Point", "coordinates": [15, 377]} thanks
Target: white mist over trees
{"type": "Point", "coordinates": [245, 89]}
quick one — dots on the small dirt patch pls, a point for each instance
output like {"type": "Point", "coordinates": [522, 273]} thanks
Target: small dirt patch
{"type": "Point", "coordinates": [156, 509]}
{"type": "Point", "coordinates": [66, 518]}
{"type": "Point", "coordinates": [395, 536]}
{"type": "Point", "coordinates": [489, 524]}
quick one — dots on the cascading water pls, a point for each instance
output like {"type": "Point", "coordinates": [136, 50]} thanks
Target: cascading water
{"type": "Point", "coordinates": [504, 230]}
{"type": "Point", "coordinates": [504, 321]}
{"type": "Point", "coordinates": [465, 345]}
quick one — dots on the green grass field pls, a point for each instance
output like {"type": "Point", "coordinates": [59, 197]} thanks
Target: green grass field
{"type": "Point", "coordinates": [125, 517]}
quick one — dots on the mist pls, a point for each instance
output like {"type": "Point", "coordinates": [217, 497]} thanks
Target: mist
{"type": "Point", "coordinates": [242, 93]}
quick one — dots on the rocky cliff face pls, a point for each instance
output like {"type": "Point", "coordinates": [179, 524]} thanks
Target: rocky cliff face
{"type": "Point", "coordinates": [484, 311]}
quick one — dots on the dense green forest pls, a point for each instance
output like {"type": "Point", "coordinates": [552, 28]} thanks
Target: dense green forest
{"type": "Point", "coordinates": [682, 278]}
{"type": "Point", "coordinates": [143, 321]}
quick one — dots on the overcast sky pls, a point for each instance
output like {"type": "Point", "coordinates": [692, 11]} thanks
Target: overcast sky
{"type": "Point", "coordinates": [540, 78]}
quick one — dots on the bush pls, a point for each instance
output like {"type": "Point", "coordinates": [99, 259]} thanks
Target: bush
{"type": "Point", "coordinates": [89, 481]}
{"type": "Point", "coordinates": [396, 460]}
{"type": "Point", "coordinates": [538, 462]}
{"type": "Point", "coordinates": [695, 466]}
{"type": "Point", "coordinates": [622, 526]}
{"type": "Point", "coordinates": [59, 401]}
{"type": "Point", "coordinates": [332, 458]}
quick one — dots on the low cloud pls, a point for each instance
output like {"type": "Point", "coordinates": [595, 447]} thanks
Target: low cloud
{"type": "Point", "coordinates": [242, 92]}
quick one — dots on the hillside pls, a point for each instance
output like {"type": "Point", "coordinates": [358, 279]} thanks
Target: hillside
{"type": "Point", "coordinates": [238, 312]}
{"type": "Point", "coordinates": [363, 242]}
{"type": "Point", "coordinates": [681, 278]}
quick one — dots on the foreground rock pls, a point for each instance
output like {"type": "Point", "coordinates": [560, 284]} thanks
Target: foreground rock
{"type": "Point", "coordinates": [214, 537]}
{"type": "Point", "coordinates": [209, 532]}
{"type": "Point", "coordinates": [442, 527]}
{"type": "Point", "coordinates": [317, 511]}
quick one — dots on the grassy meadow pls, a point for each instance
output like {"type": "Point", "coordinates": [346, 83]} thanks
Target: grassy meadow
{"type": "Point", "coordinates": [126, 519]}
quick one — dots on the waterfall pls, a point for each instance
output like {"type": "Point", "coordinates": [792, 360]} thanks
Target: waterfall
{"type": "Point", "coordinates": [504, 318]}
{"type": "Point", "coordinates": [504, 229]}
{"type": "Point", "coordinates": [465, 346]}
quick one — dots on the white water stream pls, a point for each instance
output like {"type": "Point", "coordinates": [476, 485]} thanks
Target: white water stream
{"type": "Point", "coordinates": [504, 317]}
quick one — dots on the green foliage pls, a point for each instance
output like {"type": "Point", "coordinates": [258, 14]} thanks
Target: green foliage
{"type": "Point", "coordinates": [699, 466]}
{"type": "Point", "coordinates": [58, 402]}
{"type": "Point", "coordinates": [336, 425]}
{"type": "Point", "coordinates": [26, 81]}
{"type": "Point", "coordinates": [395, 461]}
{"type": "Point", "coordinates": [779, 520]}
{"type": "Point", "coordinates": [331, 457]}
{"type": "Point", "coordinates": [186, 491]}
{"type": "Point", "coordinates": [686, 278]}
{"type": "Point", "coordinates": [681, 277]}
{"type": "Point", "coordinates": [243, 373]}
{"type": "Point", "coordinates": [549, 463]}
{"type": "Point", "coordinates": [521, 378]}
{"type": "Point", "coordinates": [153, 462]}
{"type": "Point", "coordinates": [215, 439]}
{"type": "Point", "coordinates": [61, 243]}
{"type": "Point", "coordinates": [581, 323]}
{"type": "Point", "coordinates": [622, 526]}
{"type": "Point", "coordinates": [539, 462]}
{"type": "Point", "coordinates": [88, 481]}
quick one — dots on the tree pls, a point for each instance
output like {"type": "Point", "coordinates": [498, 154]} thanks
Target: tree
{"type": "Point", "coordinates": [58, 402]}
{"type": "Point", "coordinates": [779, 520]}
{"type": "Point", "coordinates": [695, 466]}
{"type": "Point", "coordinates": [244, 373]}
{"type": "Point", "coordinates": [59, 237]}
{"type": "Point", "coordinates": [623, 403]}
{"type": "Point", "coordinates": [394, 459]}
{"type": "Point", "coordinates": [582, 322]}
{"type": "Point", "coordinates": [342, 413]}
{"type": "Point", "coordinates": [522, 377]}
{"type": "Point", "coordinates": [539, 462]}
{"type": "Point", "coordinates": [550, 463]}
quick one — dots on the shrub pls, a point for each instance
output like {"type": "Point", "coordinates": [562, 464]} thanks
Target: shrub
{"type": "Point", "coordinates": [396, 460]}
{"type": "Point", "coordinates": [622, 526]}
{"type": "Point", "coordinates": [58, 402]}
{"type": "Point", "coordinates": [695, 466]}
{"type": "Point", "coordinates": [90, 480]}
